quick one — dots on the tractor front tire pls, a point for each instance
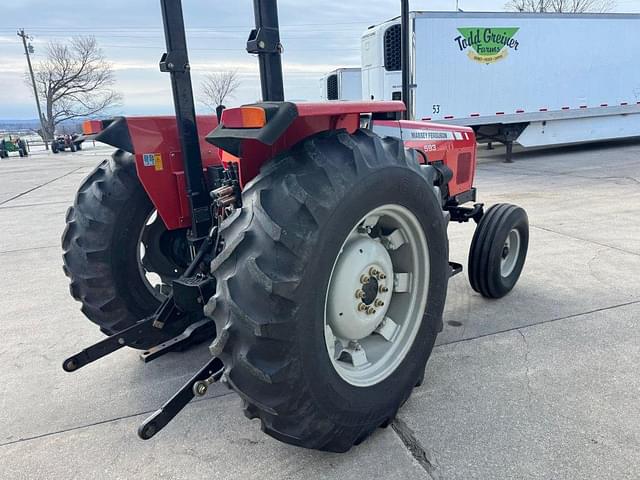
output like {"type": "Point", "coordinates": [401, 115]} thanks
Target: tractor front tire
{"type": "Point", "coordinates": [311, 222]}
{"type": "Point", "coordinates": [499, 250]}
{"type": "Point", "coordinates": [100, 244]}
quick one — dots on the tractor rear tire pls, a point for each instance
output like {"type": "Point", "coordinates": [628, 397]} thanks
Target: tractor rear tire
{"type": "Point", "coordinates": [499, 250]}
{"type": "Point", "coordinates": [101, 242]}
{"type": "Point", "coordinates": [275, 273]}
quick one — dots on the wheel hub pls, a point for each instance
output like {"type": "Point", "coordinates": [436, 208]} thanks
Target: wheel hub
{"type": "Point", "coordinates": [370, 290]}
{"type": "Point", "coordinates": [376, 295]}
{"type": "Point", "coordinates": [358, 294]}
{"type": "Point", "coordinates": [510, 253]}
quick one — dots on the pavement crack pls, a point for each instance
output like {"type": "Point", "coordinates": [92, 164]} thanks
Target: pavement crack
{"type": "Point", "coordinates": [413, 445]}
{"type": "Point", "coordinates": [102, 422]}
{"type": "Point", "coordinates": [586, 240]}
{"type": "Point", "coordinates": [530, 393]}
{"type": "Point", "coordinates": [40, 186]}
{"type": "Point", "coordinates": [18, 250]}
{"type": "Point", "coordinates": [536, 324]}
{"type": "Point", "coordinates": [42, 204]}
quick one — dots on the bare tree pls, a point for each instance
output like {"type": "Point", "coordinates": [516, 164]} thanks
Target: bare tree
{"type": "Point", "coordinates": [526, 5]}
{"type": "Point", "coordinates": [75, 81]}
{"type": "Point", "coordinates": [218, 87]}
{"type": "Point", "coordinates": [561, 6]}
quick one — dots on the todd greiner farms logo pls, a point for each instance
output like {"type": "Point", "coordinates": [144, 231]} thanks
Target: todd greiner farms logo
{"type": "Point", "coordinates": [487, 45]}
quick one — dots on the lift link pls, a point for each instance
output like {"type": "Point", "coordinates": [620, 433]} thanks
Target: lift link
{"type": "Point", "coordinates": [210, 373]}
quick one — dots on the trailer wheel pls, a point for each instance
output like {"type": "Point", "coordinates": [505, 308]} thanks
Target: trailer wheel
{"type": "Point", "coordinates": [117, 253]}
{"type": "Point", "coordinates": [331, 288]}
{"type": "Point", "coordinates": [498, 250]}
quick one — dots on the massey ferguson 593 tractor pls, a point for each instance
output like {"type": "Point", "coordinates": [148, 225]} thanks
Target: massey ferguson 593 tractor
{"type": "Point", "coordinates": [306, 241]}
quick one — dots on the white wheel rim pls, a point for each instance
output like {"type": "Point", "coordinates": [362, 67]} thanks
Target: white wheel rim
{"type": "Point", "coordinates": [376, 296]}
{"type": "Point", "coordinates": [510, 253]}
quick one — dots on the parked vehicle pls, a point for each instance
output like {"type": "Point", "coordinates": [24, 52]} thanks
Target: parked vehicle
{"type": "Point", "coordinates": [310, 239]}
{"type": "Point", "coordinates": [64, 142]}
{"type": "Point", "coordinates": [342, 84]}
{"type": "Point", "coordinates": [17, 145]}
{"type": "Point", "coordinates": [514, 77]}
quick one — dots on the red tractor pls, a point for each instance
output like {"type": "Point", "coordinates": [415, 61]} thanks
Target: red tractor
{"type": "Point", "coordinates": [308, 241]}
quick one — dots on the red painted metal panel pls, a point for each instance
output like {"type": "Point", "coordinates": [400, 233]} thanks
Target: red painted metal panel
{"type": "Point", "coordinates": [255, 154]}
{"type": "Point", "coordinates": [160, 167]}
{"type": "Point", "coordinates": [453, 145]}
{"type": "Point", "coordinates": [159, 160]}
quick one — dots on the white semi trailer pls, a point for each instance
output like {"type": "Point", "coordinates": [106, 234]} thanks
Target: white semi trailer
{"type": "Point", "coordinates": [342, 84]}
{"type": "Point", "coordinates": [533, 79]}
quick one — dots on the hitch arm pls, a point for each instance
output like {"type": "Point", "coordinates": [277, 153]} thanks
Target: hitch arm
{"type": "Point", "coordinates": [109, 345]}
{"type": "Point", "coordinates": [211, 372]}
{"type": "Point", "coordinates": [144, 329]}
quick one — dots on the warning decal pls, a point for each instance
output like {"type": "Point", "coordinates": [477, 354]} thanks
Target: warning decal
{"type": "Point", "coordinates": [152, 160]}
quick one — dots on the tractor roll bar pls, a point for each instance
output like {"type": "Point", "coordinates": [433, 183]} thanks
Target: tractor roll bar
{"type": "Point", "coordinates": [176, 62]}
{"type": "Point", "coordinates": [264, 41]}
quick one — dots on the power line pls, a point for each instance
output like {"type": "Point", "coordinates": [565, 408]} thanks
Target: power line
{"type": "Point", "coordinates": [152, 47]}
{"type": "Point", "coordinates": [188, 29]}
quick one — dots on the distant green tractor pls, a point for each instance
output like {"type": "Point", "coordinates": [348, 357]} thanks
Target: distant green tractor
{"type": "Point", "coordinates": [8, 146]}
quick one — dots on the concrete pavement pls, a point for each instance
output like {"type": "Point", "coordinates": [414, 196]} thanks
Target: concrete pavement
{"type": "Point", "coordinates": [542, 384]}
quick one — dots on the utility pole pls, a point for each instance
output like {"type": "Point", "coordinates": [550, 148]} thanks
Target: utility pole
{"type": "Point", "coordinates": [28, 50]}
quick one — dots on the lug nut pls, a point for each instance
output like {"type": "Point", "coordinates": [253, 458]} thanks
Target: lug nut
{"type": "Point", "coordinates": [379, 303]}
{"type": "Point", "coordinates": [381, 276]}
{"type": "Point", "coordinates": [359, 293]}
{"type": "Point", "coordinates": [365, 279]}
{"type": "Point", "coordinates": [371, 311]}
{"type": "Point", "coordinates": [362, 307]}
{"type": "Point", "coordinates": [383, 289]}
{"type": "Point", "coordinates": [373, 272]}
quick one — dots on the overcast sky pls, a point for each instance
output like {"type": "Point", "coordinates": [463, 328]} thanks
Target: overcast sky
{"type": "Point", "coordinates": [318, 36]}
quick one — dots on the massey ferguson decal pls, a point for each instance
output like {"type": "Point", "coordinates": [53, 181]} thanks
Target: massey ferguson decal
{"type": "Point", "coordinates": [411, 134]}
{"type": "Point", "coordinates": [487, 45]}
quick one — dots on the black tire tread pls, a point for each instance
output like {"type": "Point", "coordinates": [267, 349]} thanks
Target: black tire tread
{"type": "Point", "coordinates": [256, 292]}
{"type": "Point", "coordinates": [87, 243]}
{"type": "Point", "coordinates": [483, 242]}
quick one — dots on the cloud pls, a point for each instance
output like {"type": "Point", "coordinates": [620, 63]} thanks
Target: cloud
{"type": "Point", "coordinates": [318, 36]}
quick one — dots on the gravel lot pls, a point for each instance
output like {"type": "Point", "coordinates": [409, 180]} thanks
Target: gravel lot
{"type": "Point", "coordinates": [542, 384]}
